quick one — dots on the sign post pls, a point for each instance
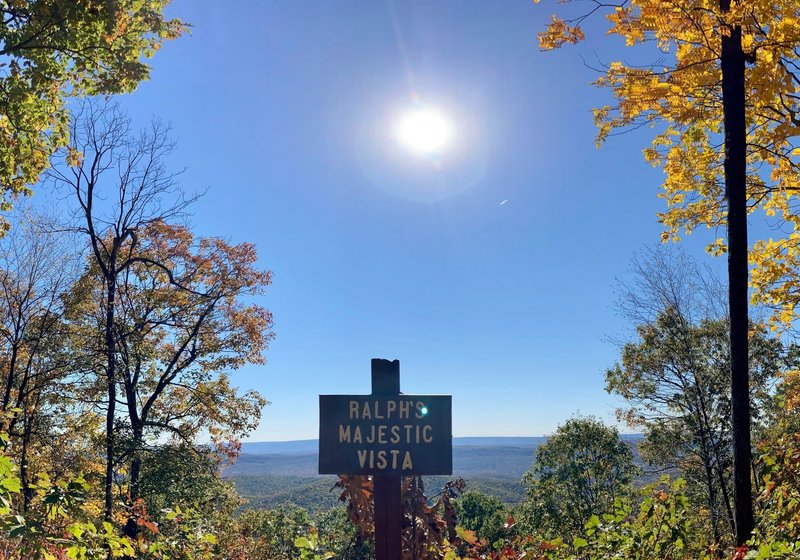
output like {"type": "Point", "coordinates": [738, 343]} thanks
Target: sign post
{"type": "Point", "coordinates": [387, 435]}
{"type": "Point", "coordinates": [386, 489]}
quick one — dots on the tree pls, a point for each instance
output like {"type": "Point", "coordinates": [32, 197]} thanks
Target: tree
{"type": "Point", "coordinates": [36, 271]}
{"type": "Point", "coordinates": [181, 324]}
{"type": "Point", "coordinates": [104, 151]}
{"type": "Point", "coordinates": [724, 86]}
{"type": "Point", "coordinates": [171, 308]}
{"type": "Point", "coordinates": [59, 49]}
{"type": "Point", "coordinates": [179, 475]}
{"type": "Point", "coordinates": [674, 375]}
{"type": "Point", "coordinates": [483, 514]}
{"type": "Point", "coordinates": [582, 469]}
{"type": "Point", "coordinates": [675, 379]}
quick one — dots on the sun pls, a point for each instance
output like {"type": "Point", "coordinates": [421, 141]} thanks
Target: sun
{"type": "Point", "coordinates": [424, 130]}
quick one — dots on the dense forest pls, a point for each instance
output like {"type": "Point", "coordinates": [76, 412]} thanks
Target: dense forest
{"type": "Point", "coordinates": [122, 328]}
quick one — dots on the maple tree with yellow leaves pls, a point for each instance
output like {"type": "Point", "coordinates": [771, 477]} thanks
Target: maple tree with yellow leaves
{"type": "Point", "coordinates": [686, 96]}
{"type": "Point", "coordinates": [724, 98]}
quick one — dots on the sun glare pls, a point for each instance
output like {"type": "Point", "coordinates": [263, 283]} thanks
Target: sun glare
{"type": "Point", "coordinates": [424, 131]}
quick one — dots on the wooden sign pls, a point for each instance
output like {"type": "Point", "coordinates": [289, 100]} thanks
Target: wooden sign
{"type": "Point", "coordinates": [389, 435]}
{"type": "Point", "coordinates": [400, 435]}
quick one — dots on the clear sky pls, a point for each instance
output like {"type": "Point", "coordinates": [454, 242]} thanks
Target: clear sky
{"type": "Point", "coordinates": [488, 273]}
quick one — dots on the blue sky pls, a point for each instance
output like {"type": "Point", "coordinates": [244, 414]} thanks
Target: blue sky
{"type": "Point", "coordinates": [283, 111]}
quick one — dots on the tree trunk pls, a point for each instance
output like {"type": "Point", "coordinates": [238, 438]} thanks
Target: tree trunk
{"type": "Point", "coordinates": [726, 497]}
{"type": "Point", "coordinates": [136, 468]}
{"type": "Point", "coordinates": [709, 451]}
{"type": "Point", "coordinates": [137, 427]}
{"type": "Point", "coordinates": [112, 395]}
{"type": "Point", "coordinates": [27, 491]}
{"type": "Point", "coordinates": [136, 462]}
{"type": "Point", "coordinates": [131, 528]}
{"type": "Point", "coordinates": [12, 366]}
{"type": "Point", "coordinates": [711, 494]}
{"type": "Point", "coordinates": [733, 105]}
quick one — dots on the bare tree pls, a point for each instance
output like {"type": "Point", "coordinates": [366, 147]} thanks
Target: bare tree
{"type": "Point", "coordinates": [665, 276]}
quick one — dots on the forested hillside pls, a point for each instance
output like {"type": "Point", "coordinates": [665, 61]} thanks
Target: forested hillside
{"type": "Point", "coordinates": [492, 466]}
{"type": "Point", "coordinates": [271, 480]}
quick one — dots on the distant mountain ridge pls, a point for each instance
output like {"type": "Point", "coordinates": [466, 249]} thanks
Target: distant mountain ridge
{"type": "Point", "coordinates": [496, 461]}
{"type": "Point", "coordinates": [302, 446]}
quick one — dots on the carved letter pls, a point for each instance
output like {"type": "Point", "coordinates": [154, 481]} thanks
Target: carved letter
{"type": "Point", "coordinates": [407, 464]}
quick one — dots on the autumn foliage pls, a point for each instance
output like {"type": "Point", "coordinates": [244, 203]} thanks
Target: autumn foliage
{"type": "Point", "coordinates": [53, 51]}
{"type": "Point", "coordinates": [122, 329]}
{"type": "Point", "coordinates": [680, 96]}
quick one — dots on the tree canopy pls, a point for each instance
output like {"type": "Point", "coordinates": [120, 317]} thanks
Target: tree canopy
{"type": "Point", "coordinates": [582, 469]}
{"type": "Point", "coordinates": [54, 50]}
{"type": "Point", "coordinates": [680, 95]}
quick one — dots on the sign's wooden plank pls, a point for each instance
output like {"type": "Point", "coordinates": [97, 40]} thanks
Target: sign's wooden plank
{"type": "Point", "coordinates": [390, 435]}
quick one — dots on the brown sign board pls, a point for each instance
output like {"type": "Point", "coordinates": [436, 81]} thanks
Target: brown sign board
{"type": "Point", "coordinates": [392, 435]}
